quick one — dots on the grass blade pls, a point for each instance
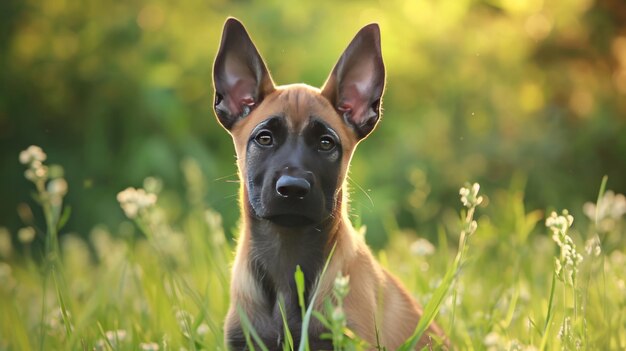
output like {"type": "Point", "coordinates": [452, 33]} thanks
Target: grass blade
{"type": "Point", "coordinates": [299, 277]}
{"type": "Point", "coordinates": [288, 337]}
{"type": "Point", "coordinates": [304, 342]}
{"type": "Point", "coordinates": [600, 195]}
{"type": "Point", "coordinates": [550, 304]}
{"type": "Point", "coordinates": [431, 309]}
{"type": "Point", "coordinates": [247, 326]}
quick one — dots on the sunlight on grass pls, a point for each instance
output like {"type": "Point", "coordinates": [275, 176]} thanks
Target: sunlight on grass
{"type": "Point", "coordinates": [158, 284]}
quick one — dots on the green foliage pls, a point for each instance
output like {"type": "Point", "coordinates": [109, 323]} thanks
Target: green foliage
{"type": "Point", "coordinates": [525, 96]}
{"type": "Point", "coordinates": [476, 89]}
{"type": "Point", "coordinates": [166, 290]}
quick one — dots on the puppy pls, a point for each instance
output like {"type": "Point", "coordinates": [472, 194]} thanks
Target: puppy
{"type": "Point", "coordinates": [294, 144]}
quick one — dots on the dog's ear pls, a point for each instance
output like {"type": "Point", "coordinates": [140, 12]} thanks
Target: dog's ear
{"type": "Point", "coordinates": [240, 77]}
{"type": "Point", "coordinates": [355, 86]}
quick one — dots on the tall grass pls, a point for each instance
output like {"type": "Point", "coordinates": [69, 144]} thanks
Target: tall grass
{"type": "Point", "coordinates": [159, 283]}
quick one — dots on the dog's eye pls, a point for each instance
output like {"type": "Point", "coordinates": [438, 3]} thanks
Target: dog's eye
{"type": "Point", "coordinates": [264, 138]}
{"type": "Point", "coordinates": [327, 143]}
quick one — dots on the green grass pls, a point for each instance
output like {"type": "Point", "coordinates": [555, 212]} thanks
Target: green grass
{"type": "Point", "coordinates": [157, 282]}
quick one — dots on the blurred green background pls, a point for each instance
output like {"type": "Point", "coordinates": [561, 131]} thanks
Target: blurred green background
{"type": "Point", "coordinates": [488, 91]}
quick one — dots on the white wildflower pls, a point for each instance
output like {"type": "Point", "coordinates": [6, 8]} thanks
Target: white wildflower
{"type": "Point", "coordinates": [422, 247]}
{"type": "Point", "coordinates": [33, 157]}
{"type": "Point", "coordinates": [55, 320]}
{"type": "Point", "coordinates": [134, 200]}
{"type": "Point", "coordinates": [32, 154]}
{"type": "Point", "coordinates": [149, 346]}
{"type": "Point", "coordinates": [185, 321]}
{"type": "Point", "coordinates": [341, 285]}
{"type": "Point", "coordinates": [57, 187]}
{"type": "Point", "coordinates": [115, 337]}
{"type": "Point", "coordinates": [492, 339]}
{"type": "Point", "coordinates": [565, 330]}
{"type": "Point", "coordinates": [592, 246]}
{"type": "Point", "coordinates": [559, 224]}
{"type": "Point", "coordinates": [566, 265]}
{"type": "Point", "coordinates": [569, 340]}
{"type": "Point", "coordinates": [469, 195]}
{"type": "Point", "coordinates": [36, 172]}
{"type": "Point", "coordinates": [610, 205]}
{"type": "Point", "coordinates": [26, 235]}
{"type": "Point", "coordinates": [202, 329]}
{"type": "Point", "coordinates": [607, 212]}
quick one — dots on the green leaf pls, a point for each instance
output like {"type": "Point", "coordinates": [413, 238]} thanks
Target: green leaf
{"type": "Point", "coordinates": [65, 216]}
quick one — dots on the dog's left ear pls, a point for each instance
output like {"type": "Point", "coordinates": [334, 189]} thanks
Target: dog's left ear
{"type": "Point", "coordinates": [355, 86]}
{"type": "Point", "coordinates": [240, 76]}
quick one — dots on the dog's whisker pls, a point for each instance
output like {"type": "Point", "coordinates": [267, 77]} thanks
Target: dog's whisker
{"type": "Point", "coordinates": [354, 182]}
{"type": "Point", "coordinates": [226, 177]}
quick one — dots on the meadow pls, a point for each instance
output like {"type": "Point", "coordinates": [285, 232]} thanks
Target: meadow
{"type": "Point", "coordinates": [156, 285]}
{"type": "Point", "coordinates": [117, 230]}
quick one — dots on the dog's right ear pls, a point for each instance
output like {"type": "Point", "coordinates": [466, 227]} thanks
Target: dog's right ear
{"type": "Point", "coordinates": [240, 77]}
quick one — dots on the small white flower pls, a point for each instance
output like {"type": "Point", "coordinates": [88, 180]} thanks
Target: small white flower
{"type": "Point", "coordinates": [565, 329]}
{"type": "Point", "coordinates": [566, 265]}
{"type": "Point", "coordinates": [557, 266]}
{"type": "Point", "coordinates": [469, 195]}
{"type": "Point", "coordinates": [31, 154]}
{"type": "Point", "coordinates": [202, 329]}
{"type": "Point", "coordinates": [342, 285]}
{"type": "Point", "coordinates": [492, 339]}
{"type": "Point", "coordinates": [134, 200]}
{"type": "Point", "coordinates": [611, 205]}
{"type": "Point", "coordinates": [607, 212]}
{"type": "Point", "coordinates": [36, 172]}
{"type": "Point", "coordinates": [149, 346]}
{"type": "Point", "coordinates": [422, 247]}
{"type": "Point", "coordinates": [185, 321]}
{"type": "Point", "coordinates": [115, 337]}
{"type": "Point", "coordinates": [57, 187]}
{"type": "Point", "coordinates": [26, 235]}
{"type": "Point", "coordinates": [592, 246]}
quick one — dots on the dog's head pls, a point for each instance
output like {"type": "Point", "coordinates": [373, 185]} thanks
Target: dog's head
{"type": "Point", "coordinates": [294, 143]}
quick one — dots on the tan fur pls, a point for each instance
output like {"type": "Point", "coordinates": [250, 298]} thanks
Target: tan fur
{"type": "Point", "coordinates": [376, 298]}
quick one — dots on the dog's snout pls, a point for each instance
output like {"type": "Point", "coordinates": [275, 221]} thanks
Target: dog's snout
{"type": "Point", "coordinates": [293, 187]}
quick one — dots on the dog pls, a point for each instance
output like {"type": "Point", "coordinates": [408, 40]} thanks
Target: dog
{"type": "Point", "coordinates": [294, 144]}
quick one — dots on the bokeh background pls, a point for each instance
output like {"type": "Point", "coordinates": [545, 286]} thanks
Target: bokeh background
{"type": "Point", "coordinates": [496, 91]}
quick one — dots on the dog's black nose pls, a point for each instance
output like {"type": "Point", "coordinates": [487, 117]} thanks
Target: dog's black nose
{"type": "Point", "coordinates": [295, 187]}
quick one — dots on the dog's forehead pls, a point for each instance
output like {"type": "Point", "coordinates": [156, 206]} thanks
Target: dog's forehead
{"type": "Point", "coordinates": [298, 104]}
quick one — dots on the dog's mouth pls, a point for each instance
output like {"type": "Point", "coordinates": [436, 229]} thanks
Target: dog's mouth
{"type": "Point", "coordinates": [291, 220]}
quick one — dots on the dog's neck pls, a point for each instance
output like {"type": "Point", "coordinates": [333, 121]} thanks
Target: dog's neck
{"type": "Point", "coordinates": [276, 251]}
